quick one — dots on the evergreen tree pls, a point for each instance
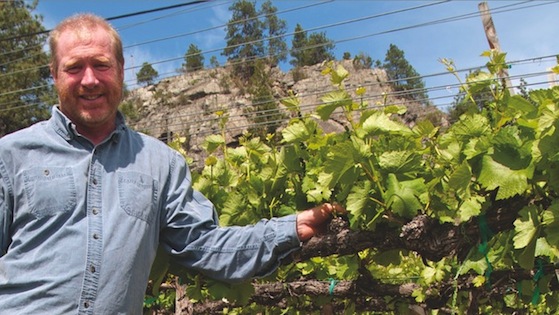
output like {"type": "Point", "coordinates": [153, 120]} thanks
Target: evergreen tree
{"type": "Point", "coordinates": [276, 29]}
{"type": "Point", "coordinates": [193, 59]}
{"type": "Point", "coordinates": [26, 92]}
{"type": "Point", "coordinates": [403, 77]}
{"type": "Point", "coordinates": [244, 38]}
{"type": "Point", "coordinates": [320, 48]}
{"type": "Point", "coordinates": [297, 46]}
{"type": "Point", "coordinates": [308, 51]}
{"type": "Point", "coordinates": [147, 74]}
{"type": "Point", "coordinates": [214, 63]}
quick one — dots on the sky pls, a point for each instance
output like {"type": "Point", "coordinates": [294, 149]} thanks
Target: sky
{"type": "Point", "coordinates": [425, 31]}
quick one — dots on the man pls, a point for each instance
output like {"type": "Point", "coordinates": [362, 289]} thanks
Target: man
{"type": "Point", "coordinates": [85, 201]}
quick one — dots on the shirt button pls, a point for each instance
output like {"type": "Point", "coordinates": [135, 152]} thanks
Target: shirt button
{"type": "Point", "coordinates": [95, 211]}
{"type": "Point", "coordinates": [95, 236]}
{"type": "Point", "coordinates": [94, 181]}
{"type": "Point", "coordinates": [86, 304]}
{"type": "Point", "coordinates": [92, 269]}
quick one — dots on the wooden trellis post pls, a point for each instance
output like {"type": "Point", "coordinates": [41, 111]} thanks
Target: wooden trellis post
{"type": "Point", "coordinates": [493, 40]}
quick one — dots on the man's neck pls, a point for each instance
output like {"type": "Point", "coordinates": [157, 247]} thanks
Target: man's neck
{"type": "Point", "coordinates": [97, 134]}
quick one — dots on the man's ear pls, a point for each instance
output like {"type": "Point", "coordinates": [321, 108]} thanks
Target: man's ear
{"type": "Point", "coordinates": [52, 72]}
{"type": "Point", "coordinates": [122, 71]}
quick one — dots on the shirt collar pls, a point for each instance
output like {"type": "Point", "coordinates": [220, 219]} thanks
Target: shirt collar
{"type": "Point", "coordinates": [63, 126]}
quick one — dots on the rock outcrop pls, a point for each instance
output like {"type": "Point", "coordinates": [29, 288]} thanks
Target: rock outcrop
{"type": "Point", "coordinates": [186, 104]}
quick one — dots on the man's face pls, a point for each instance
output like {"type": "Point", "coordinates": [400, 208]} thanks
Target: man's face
{"type": "Point", "coordinates": [88, 79]}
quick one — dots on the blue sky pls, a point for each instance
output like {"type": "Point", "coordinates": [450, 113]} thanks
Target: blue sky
{"type": "Point", "coordinates": [527, 31]}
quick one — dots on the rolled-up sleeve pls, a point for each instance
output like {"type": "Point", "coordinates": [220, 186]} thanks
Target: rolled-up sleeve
{"type": "Point", "coordinates": [191, 234]}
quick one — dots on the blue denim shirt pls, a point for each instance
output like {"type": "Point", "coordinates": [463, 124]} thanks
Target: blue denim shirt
{"type": "Point", "coordinates": [80, 224]}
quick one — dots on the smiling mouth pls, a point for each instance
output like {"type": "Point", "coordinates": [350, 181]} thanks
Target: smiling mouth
{"type": "Point", "coordinates": [91, 97]}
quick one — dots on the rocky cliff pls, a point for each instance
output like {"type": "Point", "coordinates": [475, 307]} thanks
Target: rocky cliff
{"type": "Point", "coordinates": [186, 104]}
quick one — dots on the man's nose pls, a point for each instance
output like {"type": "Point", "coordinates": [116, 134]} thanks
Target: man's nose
{"type": "Point", "coordinates": [89, 78]}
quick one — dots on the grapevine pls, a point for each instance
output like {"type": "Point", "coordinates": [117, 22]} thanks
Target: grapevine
{"type": "Point", "coordinates": [463, 219]}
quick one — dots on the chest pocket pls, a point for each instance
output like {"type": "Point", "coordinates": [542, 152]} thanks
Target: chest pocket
{"type": "Point", "coordinates": [50, 190]}
{"type": "Point", "coordinates": [137, 195]}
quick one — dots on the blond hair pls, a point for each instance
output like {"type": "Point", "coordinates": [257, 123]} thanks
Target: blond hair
{"type": "Point", "coordinates": [81, 24]}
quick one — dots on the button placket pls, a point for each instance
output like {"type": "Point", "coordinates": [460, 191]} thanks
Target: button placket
{"type": "Point", "coordinates": [95, 228]}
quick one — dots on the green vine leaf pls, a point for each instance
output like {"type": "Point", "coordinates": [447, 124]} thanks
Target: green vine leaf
{"type": "Point", "coordinates": [470, 126]}
{"type": "Point", "coordinates": [340, 160]}
{"type": "Point", "coordinates": [521, 105]}
{"type": "Point", "coordinates": [395, 109]}
{"type": "Point", "coordinates": [478, 281]}
{"type": "Point", "coordinates": [299, 131]}
{"type": "Point", "coordinates": [317, 192]}
{"type": "Point", "coordinates": [213, 142]}
{"type": "Point", "coordinates": [233, 211]}
{"type": "Point", "coordinates": [435, 272]}
{"type": "Point", "coordinates": [460, 180]}
{"type": "Point", "coordinates": [425, 129]}
{"type": "Point", "coordinates": [332, 101]}
{"type": "Point", "coordinates": [379, 123]}
{"type": "Point", "coordinates": [550, 221]}
{"type": "Point", "coordinates": [338, 76]}
{"type": "Point", "coordinates": [403, 197]}
{"type": "Point", "coordinates": [471, 207]}
{"type": "Point", "coordinates": [400, 162]}
{"type": "Point", "coordinates": [543, 248]}
{"type": "Point", "coordinates": [478, 82]}
{"type": "Point", "coordinates": [290, 159]}
{"type": "Point", "coordinates": [509, 182]}
{"type": "Point", "coordinates": [292, 102]}
{"type": "Point", "coordinates": [475, 262]}
{"type": "Point", "coordinates": [359, 205]}
{"type": "Point", "coordinates": [526, 234]}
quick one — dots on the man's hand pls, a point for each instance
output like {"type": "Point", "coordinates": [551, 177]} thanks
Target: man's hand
{"type": "Point", "coordinates": [312, 221]}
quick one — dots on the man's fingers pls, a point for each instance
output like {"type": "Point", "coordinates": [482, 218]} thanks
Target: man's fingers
{"type": "Point", "coordinates": [332, 208]}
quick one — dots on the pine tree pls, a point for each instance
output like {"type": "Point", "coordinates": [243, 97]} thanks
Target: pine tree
{"type": "Point", "coordinates": [310, 50]}
{"type": "Point", "coordinates": [26, 92]}
{"type": "Point", "coordinates": [244, 38]}
{"type": "Point", "coordinates": [320, 48]}
{"type": "Point", "coordinates": [147, 74]}
{"type": "Point", "coordinates": [214, 63]}
{"type": "Point", "coordinates": [403, 77]}
{"type": "Point", "coordinates": [297, 46]}
{"type": "Point", "coordinates": [193, 59]}
{"type": "Point", "coordinates": [276, 29]}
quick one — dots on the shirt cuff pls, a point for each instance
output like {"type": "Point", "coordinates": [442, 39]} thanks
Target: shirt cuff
{"type": "Point", "coordinates": [286, 232]}
{"type": "Point", "coordinates": [285, 242]}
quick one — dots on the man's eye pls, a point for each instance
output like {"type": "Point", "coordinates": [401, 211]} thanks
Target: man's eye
{"type": "Point", "coordinates": [102, 67]}
{"type": "Point", "coordinates": [73, 69]}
